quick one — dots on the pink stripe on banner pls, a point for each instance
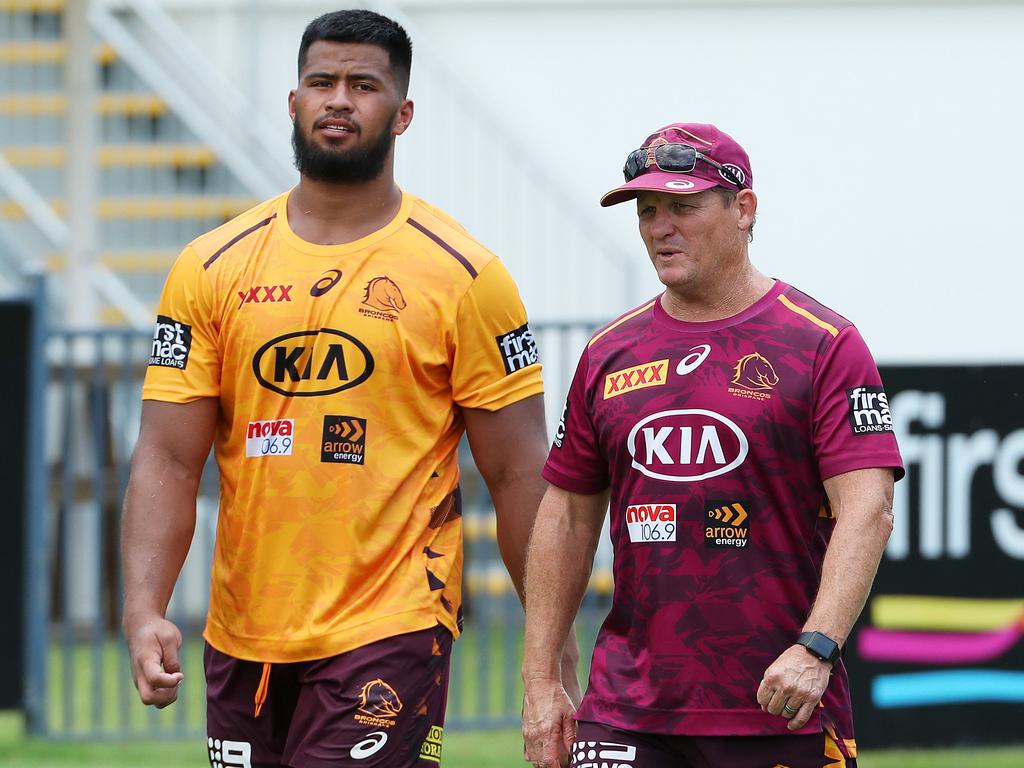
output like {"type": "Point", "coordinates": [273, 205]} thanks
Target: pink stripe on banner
{"type": "Point", "coordinates": [936, 647]}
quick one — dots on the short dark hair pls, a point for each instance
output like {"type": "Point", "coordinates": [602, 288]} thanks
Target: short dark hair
{"type": "Point", "coordinates": [362, 26]}
{"type": "Point", "coordinates": [728, 196]}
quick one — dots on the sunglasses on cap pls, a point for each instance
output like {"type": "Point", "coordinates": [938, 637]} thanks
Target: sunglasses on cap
{"type": "Point", "coordinates": [673, 158]}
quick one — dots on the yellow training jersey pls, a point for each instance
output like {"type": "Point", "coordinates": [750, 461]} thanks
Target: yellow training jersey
{"type": "Point", "coordinates": [340, 372]}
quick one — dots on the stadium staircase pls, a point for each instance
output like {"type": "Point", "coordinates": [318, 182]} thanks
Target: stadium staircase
{"type": "Point", "coordinates": [158, 182]}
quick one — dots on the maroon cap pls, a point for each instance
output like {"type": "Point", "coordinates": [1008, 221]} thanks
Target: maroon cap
{"type": "Point", "coordinates": [706, 139]}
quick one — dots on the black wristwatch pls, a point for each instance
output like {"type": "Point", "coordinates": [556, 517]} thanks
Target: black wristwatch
{"type": "Point", "coordinates": [822, 646]}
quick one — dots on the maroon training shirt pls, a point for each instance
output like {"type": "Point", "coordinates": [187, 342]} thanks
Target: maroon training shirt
{"type": "Point", "coordinates": [715, 439]}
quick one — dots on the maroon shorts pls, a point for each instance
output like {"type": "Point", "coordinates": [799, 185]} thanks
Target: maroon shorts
{"type": "Point", "coordinates": [379, 705]}
{"type": "Point", "coordinates": [601, 745]}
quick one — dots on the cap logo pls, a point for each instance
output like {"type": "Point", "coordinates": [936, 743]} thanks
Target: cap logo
{"type": "Point", "coordinates": [679, 184]}
{"type": "Point", "coordinates": [737, 171]}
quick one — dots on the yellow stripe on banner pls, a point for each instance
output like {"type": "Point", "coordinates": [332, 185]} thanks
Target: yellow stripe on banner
{"type": "Point", "coordinates": [106, 104]}
{"type": "Point", "coordinates": [112, 316]}
{"type": "Point", "coordinates": [122, 261]}
{"type": "Point", "coordinates": [183, 207]}
{"type": "Point", "coordinates": [31, 6]}
{"type": "Point", "coordinates": [47, 52]}
{"type": "Point", "coordinates": [621, 320]}
{"type": "Point", "coordinates": [161, 208]}
{"type": "Point", "coordinates": [944, 614]}
{"type": "Point", "coordinates": [804, 313]}
{"type": "Point", "coordinates": [111, 155]}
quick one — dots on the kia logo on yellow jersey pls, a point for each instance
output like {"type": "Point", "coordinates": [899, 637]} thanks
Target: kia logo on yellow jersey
{"type": "Point", "coordinates": [312, 363]}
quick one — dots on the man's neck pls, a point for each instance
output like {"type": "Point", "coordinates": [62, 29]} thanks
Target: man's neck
{"type": "Point", "coordinates": [728, 295]}
{"type": "Point", "coordinates": [333, 214]}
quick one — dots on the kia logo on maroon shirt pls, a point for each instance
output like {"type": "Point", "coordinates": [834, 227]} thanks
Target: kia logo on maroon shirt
{"type": "Point", "coordinates": [686, 445]}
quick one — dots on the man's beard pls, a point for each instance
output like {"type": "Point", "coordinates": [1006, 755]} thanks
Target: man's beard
{"type": "Point", "coordinates": [356, 165]}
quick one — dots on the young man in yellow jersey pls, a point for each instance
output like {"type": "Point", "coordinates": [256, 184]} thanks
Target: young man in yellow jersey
{"type": "Point", "coordinates": [333, 344]}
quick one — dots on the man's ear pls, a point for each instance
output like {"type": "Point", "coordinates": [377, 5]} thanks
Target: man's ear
{"type": "Point", "coordinates": [403, 118]}
{"type": "Point", "coordinates": [746, 203]}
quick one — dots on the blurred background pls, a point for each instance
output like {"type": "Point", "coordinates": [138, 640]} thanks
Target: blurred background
{"type": "Point", "coordinates": [884, 144]}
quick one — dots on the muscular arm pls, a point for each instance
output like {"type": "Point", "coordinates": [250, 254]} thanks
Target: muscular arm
{"type": "Point", "coordinates": [862, 503]}
{"type": "Point", "coordinates": [561, 557]}
{"type": "Point", "coordinates": [156, 532]}
{"type": "Point", "coordinates": [509, 447]}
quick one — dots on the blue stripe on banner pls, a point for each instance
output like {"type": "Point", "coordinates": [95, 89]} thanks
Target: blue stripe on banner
{"type": "Point", "coordinates": [953, 686]}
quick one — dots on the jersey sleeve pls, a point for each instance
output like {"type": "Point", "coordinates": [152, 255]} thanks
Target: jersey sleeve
{"type": "Point", "coordinates": [184, 362]}
{"type": "Point", "coordinates": [575, 461]}
{"type": "Point", "coordinates": [852, 425]}
{"type": "Point", "coordinates": [494, 361]}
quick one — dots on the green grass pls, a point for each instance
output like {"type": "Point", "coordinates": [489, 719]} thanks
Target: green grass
{"type": "Point", "coordinates": [462, 749]}
{"type": "Point", "coordinates": [90, 693]}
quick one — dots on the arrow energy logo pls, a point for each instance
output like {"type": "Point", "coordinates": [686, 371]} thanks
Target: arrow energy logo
{"type": "Point", "coordinates": [344, 440]}
{"type": "Point", "coordinates": [727, 524]}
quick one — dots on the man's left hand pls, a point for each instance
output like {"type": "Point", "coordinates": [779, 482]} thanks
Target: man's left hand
{"type": "Point", "coordinates": [793, 685]}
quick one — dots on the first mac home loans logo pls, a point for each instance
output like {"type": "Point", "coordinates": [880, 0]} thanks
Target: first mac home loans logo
{"type": "Point", "coordinates": [172, 342]}
{"type": "Point", "coordinates": [869, 410]}
{"type": "Point", "coordinates": [518, 348]}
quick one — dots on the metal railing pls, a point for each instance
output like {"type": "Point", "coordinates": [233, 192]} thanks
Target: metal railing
{"type": "Point", "coordinates": [86, 398]}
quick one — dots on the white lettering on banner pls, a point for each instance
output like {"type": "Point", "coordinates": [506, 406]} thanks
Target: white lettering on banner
{"type": "Point", "coordinates": [270, 438]}
{"type": "Point", "coordinates": [651, 522]}
{"type": "Point", "coordinates": [946, 466]}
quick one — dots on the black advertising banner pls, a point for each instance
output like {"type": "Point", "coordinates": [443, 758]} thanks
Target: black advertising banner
{"type": "Point", "coordinates": [16, 320]}
{"type": "Point", "coordinates": [938, 654]}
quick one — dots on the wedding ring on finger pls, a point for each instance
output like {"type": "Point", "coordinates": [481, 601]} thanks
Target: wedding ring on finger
{"type": "Point", "coordinates": [788, 710]}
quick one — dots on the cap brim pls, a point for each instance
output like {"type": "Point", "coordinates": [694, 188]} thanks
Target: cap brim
{"type": "Point", "coordinates": [658, 181]}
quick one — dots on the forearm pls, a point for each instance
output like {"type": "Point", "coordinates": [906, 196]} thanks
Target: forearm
{"type": "Point", "coordinates": [849, 568]}
{"type": "Point", "coordinates": [516, 501]}
{"type": "Point", "coordinates": [561, 556]}
{"type": "Point", "coordinates": [157, 526]}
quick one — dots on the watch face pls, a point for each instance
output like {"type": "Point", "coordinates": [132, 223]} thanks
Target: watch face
{"type": "Point", "coordinates": [820, 645]}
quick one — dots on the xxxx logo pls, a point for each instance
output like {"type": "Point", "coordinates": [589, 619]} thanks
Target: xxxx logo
{"type": "Point", "coordinates": [261, 294]}
{"type": "Point", "coordinates": [652, 374]}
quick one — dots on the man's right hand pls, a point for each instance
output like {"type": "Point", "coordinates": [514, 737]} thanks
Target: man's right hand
{"type": "Point", "coordinates": [153, 644]}
{"type": "Point", "coordinates": [549, 728]}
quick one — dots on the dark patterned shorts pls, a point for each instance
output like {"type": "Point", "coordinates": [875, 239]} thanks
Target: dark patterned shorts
{"type": "Point", "coordinates": [379, 705]}
{"type": "Point", "coordinates": [600, 745]}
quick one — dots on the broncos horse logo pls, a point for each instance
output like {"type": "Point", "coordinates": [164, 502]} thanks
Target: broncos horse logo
{"type": "Point", "coordinates": [379, 699]}
{"type": "Point", "coordinates": [755, 372]}
{"type": "Point", "coordinates": [383, 293]}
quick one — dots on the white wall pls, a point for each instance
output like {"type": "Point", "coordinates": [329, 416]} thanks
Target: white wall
{"type": "Point", "coordinates": [884, 137]}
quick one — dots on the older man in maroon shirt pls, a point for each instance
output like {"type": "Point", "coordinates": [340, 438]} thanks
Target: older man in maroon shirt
{"type": "Point", "coordinates": [741, 432]}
